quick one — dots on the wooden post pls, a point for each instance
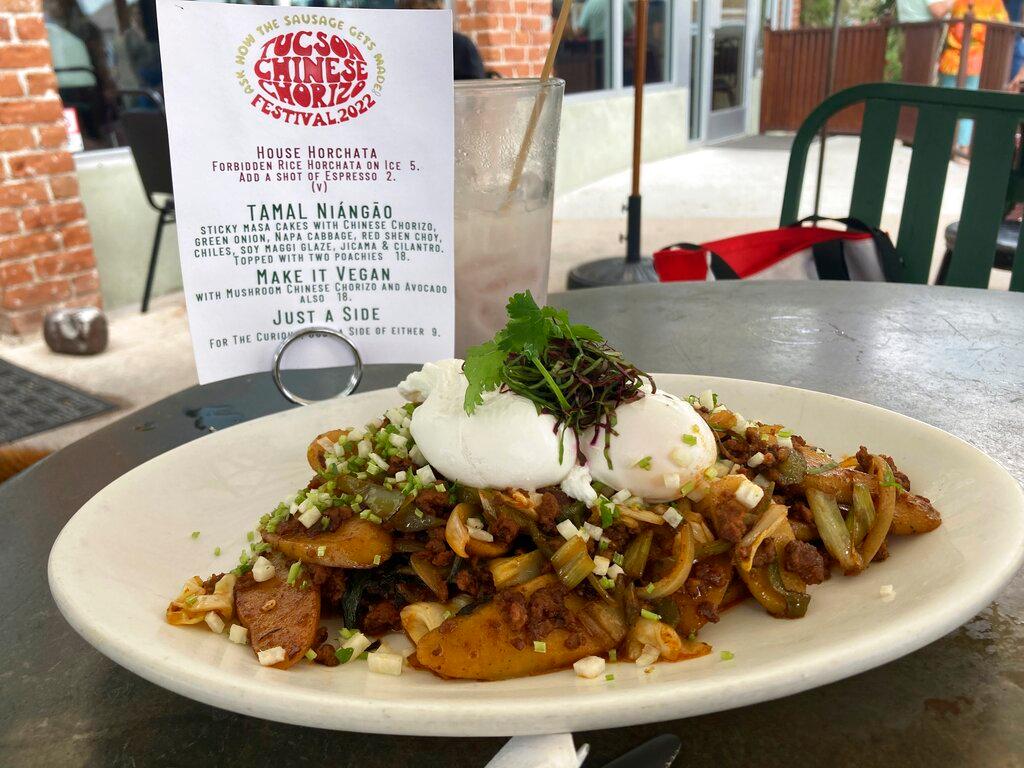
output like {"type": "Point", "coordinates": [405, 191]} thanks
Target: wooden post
{"type": "Point", "coordinates": [965, 46]}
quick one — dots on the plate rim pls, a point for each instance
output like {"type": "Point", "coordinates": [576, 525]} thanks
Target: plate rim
{"type": "Point", "coordinates": [489, 717]}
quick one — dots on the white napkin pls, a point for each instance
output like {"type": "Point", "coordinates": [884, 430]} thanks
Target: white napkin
{"type": "Point", "coordinates": [555, 751]}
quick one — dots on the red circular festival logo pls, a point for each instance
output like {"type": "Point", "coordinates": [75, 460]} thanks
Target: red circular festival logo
{"type": "Point", "coordinates": [311, 77]}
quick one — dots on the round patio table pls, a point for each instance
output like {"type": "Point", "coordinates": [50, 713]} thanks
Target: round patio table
{"type": "Point", "coordinates": [950, 357]}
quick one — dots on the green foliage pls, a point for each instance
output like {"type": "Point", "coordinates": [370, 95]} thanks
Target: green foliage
{"type": "Point", "coordinates": [816, 13]}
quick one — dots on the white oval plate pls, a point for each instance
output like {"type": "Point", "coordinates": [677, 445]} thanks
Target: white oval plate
{"type": "Point", "coordinates": [129, 550]}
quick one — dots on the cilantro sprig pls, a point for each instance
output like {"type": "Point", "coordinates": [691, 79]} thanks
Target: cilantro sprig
{"type": "Point", "coordinates": [566, 369]}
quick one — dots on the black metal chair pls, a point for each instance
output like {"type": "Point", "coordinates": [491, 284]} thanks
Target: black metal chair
{"type": "Point", "coordinates": [144, 124]}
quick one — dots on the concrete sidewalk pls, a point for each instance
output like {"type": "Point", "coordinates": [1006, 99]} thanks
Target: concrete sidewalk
{"type": "Point", "coordinates": [703, 195]}
{"type": "Point", "coordinates": [724, 190]}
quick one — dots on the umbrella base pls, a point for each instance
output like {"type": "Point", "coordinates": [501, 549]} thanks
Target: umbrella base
{"type": "Point", "coordinates": [612, 271]}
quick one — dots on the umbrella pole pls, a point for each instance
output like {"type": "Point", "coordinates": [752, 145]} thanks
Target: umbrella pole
{"type": "Point", "coordinates": [639, 78]}
{"type": "Point", "coordinates": [634, 268]}
{"type": "Point", "coordinates": [830, 78]}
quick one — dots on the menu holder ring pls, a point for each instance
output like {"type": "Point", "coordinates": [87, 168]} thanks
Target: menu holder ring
{"type": "Point", "coordinates": [353, 380]}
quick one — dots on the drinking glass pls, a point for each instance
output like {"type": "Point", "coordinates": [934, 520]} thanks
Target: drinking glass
{"type": "Point", "coordinates": [502, 237]}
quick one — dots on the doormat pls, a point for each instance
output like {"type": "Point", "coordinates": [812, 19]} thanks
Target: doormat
{"type": "Point", "coordinates": [30, 403]}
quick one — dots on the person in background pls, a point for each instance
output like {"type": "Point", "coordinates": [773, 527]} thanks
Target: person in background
{"type": "Point", "coordinates": [467, 62]}
{"type": "Point", "coordinates": [949, 62]}
{"type": "Point", "coordinates": [909, 11]}
{"type": "Point", "coordinates": [1015, 10]}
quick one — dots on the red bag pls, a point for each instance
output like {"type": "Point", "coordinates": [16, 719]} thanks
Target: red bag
{"type": "Point", "coordinates": [788, 253]}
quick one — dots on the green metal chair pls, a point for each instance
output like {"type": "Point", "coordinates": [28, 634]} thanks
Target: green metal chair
{"type": "Point", "coordinates": [995, 180]}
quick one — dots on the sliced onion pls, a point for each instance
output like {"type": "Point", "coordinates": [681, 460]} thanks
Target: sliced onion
{"type": "Point", "coordinates": [833, 531]}
{"type": "Point", "coordinates": [642, 515]}
{"type": "Point", "coordinates": [430, 575]}
{"type": "Point", "coordinates": [602, 617]}
{"type": "Point", "coordinates": [884, 513]}
{"type": "Point", "coordinates": [673, 580]}
{"type": "Point", "coordinates": [420, 618]}
{"type": "Point", "coordinates": [456, 533]}
{"type": "Point", "coordinates": [773, 517]}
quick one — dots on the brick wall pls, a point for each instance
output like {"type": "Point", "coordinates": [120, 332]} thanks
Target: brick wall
{"type": "Point", "coordinates": [46, 257]}
{"type": "Point", "coordinates": [512, 35]}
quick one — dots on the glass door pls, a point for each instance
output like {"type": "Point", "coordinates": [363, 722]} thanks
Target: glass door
{"type": "Point", "coordinates": [727, 31]}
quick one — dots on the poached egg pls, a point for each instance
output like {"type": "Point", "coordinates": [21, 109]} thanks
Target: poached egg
{"type": "Point", "coordinates": [504, 444]}
{"type": "Point", "coordinates": [662, 445]}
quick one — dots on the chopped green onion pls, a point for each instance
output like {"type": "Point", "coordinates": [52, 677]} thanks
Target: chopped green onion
{"type": "Point", "coordinates": [346, 633]}
{"type": "Point", "coordinates": [376, 559]}
{"type": "Point", "coordinates": [439, 487]}
{"type": "Point", "coordinates": [343, 654]}
{"type": "Point", "coordinates": [613, 655]}
{"type": "Point", "coordinates": [603, 544]}
{"type": "Point", "coordinates": [311, 655]}
{"type": "Point", "coordinates": [607, 583]}
{"type": "Point", "coordinates": [216, 551]}
{"type": "Point", "coordinates": [650, 615]}
{"type": "Point", "coordinates": [728, 655]}
{"type": "Point", "coordinates": [195, 534]}
{"type": "Point", "coordinates": [617, 558]}
{"type": "Point", "coordinates": [321, 551]}
{"type": "Point", "coordinates": [710, 473]}
{"type": "Point", "coordinates": [644, 463]}
{"type": "Point", "coordinates": [609, 677]}
{"type": "Point", "coordinates": [572, 562]}
{"type": "Point", "coordinates": [325, 522]}
{"type": "Point", "coordinates": [293, 572]}
{"type": "Point", "coordinates": [634, 560]}
{"type": "Point", "coordinates": [685, 490]}
{"type": "Point", "coordinates": [785, 433]}
{"type": "Point", "coordinates": [650, 588]}
{"type": "Point", "coordinates": [248, 535]}
{"type": "Point", "coordinates": [692, 636]}
{"type": "Point", "coordinates": [690, 439]}
{"type": "Point", "coordinates": [540, 646]}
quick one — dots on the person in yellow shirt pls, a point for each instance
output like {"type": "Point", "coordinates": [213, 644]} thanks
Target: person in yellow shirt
{"type": "Point", "coordinates": [949, 62]}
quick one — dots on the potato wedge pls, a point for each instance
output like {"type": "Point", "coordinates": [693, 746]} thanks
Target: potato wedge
{"type": "Point", "coordinates": [479, 646]}
{"type": "Point", "coordinates": [913, 514]}
{"type": "Point", "coordinates": [315, 452]}
{"type": "Point", "coordinates": [353, 544]}
{"type": "Point", "coordinates": [277, 614]}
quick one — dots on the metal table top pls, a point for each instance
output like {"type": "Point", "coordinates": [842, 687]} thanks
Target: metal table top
{"type": "Point", "coordinates": [950, 357]}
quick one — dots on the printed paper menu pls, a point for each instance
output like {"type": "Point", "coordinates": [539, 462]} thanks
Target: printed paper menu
{"type": "Point", "coordinates": [312, 159]}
